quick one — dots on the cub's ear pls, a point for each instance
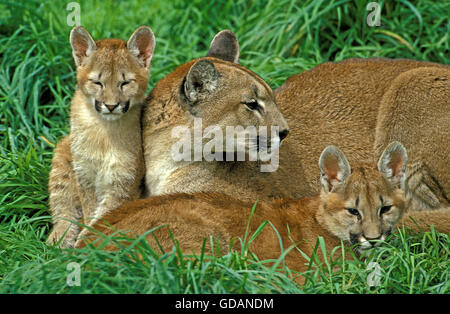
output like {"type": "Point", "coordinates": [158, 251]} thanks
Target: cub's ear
{"type": "Point", "coordinates": [82, 44]}
{"type": "Point", "coordinates": [392, 163]}
{"type": "Point", "coordinates": [225, 46]}
{"type": "Point", "coordinates": [334, 168]}
{"type": "Point", "coordinates": [142, 43]}
{"type": "Point", "coordinates": [202, 79]}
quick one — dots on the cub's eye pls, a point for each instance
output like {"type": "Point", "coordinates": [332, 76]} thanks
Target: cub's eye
{"type": "Point", "coordinates": [124, 83]}
{"type": "Point", "coordinates": [385, 209]}
{"type": "Point", "coordinates": [253, 105]}
{"type": "Point", "coordinates": [354, 212]}
{"type": "Point", "coordinates": [97, 83]}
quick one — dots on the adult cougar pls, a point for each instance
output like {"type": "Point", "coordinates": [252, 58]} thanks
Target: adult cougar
{"type": "Point", "coordinates": [217, 94]}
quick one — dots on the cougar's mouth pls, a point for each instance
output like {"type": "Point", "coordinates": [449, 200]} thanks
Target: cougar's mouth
{"type": "Point", "coordinates": [261, 144]}
{"type": "Point", "coordinates": [98, 106]}
{"type": "Point", "coordinates": [126, 107]}
{"type": "Point", "coordinates": [362, 245]}
{"type": "Point", "coordinates": [111, 112]}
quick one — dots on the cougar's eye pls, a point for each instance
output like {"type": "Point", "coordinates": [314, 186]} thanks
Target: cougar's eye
{"type": "Point", "coordinates": [354, 212]}
{"type": "Point", "coordinates": [98, 83]}
{"type": "Point", "coordinates": [385, 209]}
{"type": "Point", "coordinates": [253, 105]}
{"type": "Point", "coordinates": [124, 83]}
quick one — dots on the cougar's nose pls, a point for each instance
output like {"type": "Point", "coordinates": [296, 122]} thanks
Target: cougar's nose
{"type": "Point", "coordinates": [111, 107]}
{"type": "Point", "coordinates": [372, 237]}
{"type": "Point", "coordinates": [283, 134]}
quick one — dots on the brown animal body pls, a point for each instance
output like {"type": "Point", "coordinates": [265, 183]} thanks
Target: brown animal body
{"type": "Point", "coordinates": [416, 112]}
{"type": "Point", "coordinates": [362, 104]}
{"type": "Point", "coordinates": [357, 205]}
{"type": "Point", "coordinates": [349, 104]}
{"type": "Point", "coordinates": [222, 94]}
{"type": "Point", "coordinates": [99, 165]}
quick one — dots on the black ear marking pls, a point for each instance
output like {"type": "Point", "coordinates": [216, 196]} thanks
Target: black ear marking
{"type": "Point", "coordinates": [202, 79]}
{"type": "Point", "coordinates": [224, 46]}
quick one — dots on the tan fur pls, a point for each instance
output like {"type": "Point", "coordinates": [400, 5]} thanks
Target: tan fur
{"type": "Point", "coordinates": [415, 110]}
{"type": "Point", "coordinates": [167, 108]}
{"type": "Point", "coordinates": [193, 217]}
{"type": "Point", "coordinates": [423, 220]}
{"type": "Point", "coordinates": [350, 104]}
{"type": "Point", "coordinates": [99, 165]}
{"type": "Point", "coordinates": [334, 103]}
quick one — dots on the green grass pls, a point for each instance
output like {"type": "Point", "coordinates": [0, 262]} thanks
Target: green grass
{"type": "Point", "coordinates": [277, 39]}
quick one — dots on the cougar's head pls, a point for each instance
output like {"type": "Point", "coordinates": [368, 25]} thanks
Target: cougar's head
{"type": "Point", "coordinates": [361, 205]}
{"type": "Point", "coordinates": [112, 73]}
{"type": "Point", "coordinates": [232, 100]}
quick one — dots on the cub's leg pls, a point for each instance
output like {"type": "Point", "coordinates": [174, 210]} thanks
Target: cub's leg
{"type": "Point", "coordinates": [116, 188]}
{"type": "Point", "coordinates": [65, 205]}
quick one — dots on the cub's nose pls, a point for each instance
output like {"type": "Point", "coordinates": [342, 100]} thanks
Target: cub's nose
{"type": "Point", "coordinates": [111, 107]}
{"type": "Point", "coordinates": [372, 238]}
{"type": "Point", "coordinates": [283, 134]}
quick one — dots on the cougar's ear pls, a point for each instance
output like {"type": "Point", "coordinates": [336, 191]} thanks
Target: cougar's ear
{"type": "Point", "coordinates": [142, 44]}
{"type": "Point", "coordinates": [202, 79]}
{"type": "Point", "coordinates": [82, 44]}
{"type": "Point", "coordinates": [334, 168]}
{"type": "Point", "coordinates": [392, 163]}
{"type": "Point", "coordinates": [225, 46]}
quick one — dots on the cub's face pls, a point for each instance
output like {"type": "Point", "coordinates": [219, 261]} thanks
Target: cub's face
{"type": "Point", "coordinates": [365, 210]}
{"type": "Point", "coordinates": [111, 73]}
{"type": "Point", "coordinates": [361, 205]}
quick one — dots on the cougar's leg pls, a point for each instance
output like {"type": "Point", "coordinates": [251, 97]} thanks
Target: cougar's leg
{"type": "Point", "coordinates": [65, 205]}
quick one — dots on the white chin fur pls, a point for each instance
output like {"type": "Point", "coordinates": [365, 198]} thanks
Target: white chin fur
{"type": "Point", "coordinates": [111, 116]}
{"type": "Point", "coordinates": [365, 246]}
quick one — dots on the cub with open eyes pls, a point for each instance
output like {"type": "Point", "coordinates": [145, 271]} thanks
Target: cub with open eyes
{"type": "Point", "coordinates": [99, 166]}
{"type": "Point", "coordinates": [359, 205]}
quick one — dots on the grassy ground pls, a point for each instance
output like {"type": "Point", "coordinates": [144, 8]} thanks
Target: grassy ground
{"type": "Point", "coordinates": [278, 39]}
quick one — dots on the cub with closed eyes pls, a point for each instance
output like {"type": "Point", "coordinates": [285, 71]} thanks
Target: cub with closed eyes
{"type": "Point", "coordinates": [99, 166]}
